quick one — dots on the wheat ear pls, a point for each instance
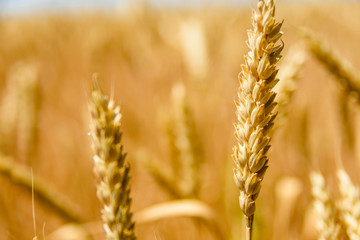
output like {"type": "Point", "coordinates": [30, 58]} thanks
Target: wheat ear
{"type": "Point", "coordinates": [183, 181]}
{"type": "Point", "coordinates": [183, 144]}
{"type": "Point", "coordinates": [20, 110]}
{"type": "Point", "coordinates": [254, 107]}
{"type": "Point", "coordinates": [330, 225]}
{"type": "Point", "coordinates": [289, 75]}
{"type": "Point", "coordinates": [349, 205]}
{"type": "Point", "coordinates": [28, 116]}
{"type": "Point", "coordinates": [338, 66]}
{"type": "Point", "coordinates": [112, 171]}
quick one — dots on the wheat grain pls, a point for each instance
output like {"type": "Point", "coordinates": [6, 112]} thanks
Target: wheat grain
{"type": "Point", "coordinates": [349, 204]}
{"type": "Point", "coordinates": [110, 167]}
{"type": "Point", "coordinates": [254, 107]}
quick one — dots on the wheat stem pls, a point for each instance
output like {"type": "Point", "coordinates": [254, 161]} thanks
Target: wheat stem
{"type": "Point", "coordinates": [249, 228]}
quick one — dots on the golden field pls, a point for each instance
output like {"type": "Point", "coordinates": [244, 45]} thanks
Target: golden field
{"type": "Point", "coordinates": [140, 53]}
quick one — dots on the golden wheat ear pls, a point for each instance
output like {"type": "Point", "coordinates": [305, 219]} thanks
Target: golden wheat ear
{"type": "Point", "coordinates": [254, 105]}
{"type": "Point", "coordinates": [183, 143]}
{"type": "Point", "coordinates": [330, 225]}
{"type": "Point", "coordinates": [338, 66]}
{"type": "Point", "coordinates": [110, 167]}
{"type": "Point", "coordinates": [289, 72]}
{"type": "Point", "coordinates": [349, 204]}
{"type": "Point", "coordinates": [20, 112]}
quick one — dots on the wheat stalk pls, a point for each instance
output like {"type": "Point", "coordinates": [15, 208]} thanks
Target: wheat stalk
{"type": "Point", "coordinates": [112, 171]}
{"type": "Point", "coordinates": [254, 107]}
{"type": "Point", "coordinates": [329, 224]}
{"type": "Point", "coordinates": [349, 204]}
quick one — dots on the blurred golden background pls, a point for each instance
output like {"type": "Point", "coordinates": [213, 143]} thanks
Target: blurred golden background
{"type": "Point", "coordinates": [141, 53]}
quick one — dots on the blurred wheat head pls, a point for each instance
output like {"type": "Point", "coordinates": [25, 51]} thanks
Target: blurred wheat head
{"type": "Point", "coordinates": [20, 108]}
{"type": "Point", "coordinates": [330, 225]}
{"type": "Point", "coordinates": [110, 167]}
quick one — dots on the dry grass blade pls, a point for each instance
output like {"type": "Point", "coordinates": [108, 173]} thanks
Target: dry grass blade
{"type": "Point", "coordinates": [191, 208]}
{"type": "Point", "coordinates": [71, 232]}
{"type": "Point", "coordinates": [335, 64]}
{"type": "Point", "coordinates": [183, 208]}
{"type": "Point", "coordinates": [330, 225]}
{"type": "Point", "coordinates": [254, 107]}
{"type": "Point", "coordinates": [349, 204]}
{"type": "Point", "coordinates": [22, 176]}
{"type": "Point", "coordinates": [110, 167]}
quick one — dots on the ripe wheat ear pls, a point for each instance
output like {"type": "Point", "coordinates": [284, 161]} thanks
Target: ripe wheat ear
{"type": "Point", "coordinates": [110, 167]}
{"type": "Point", "coordinates": [254, 107]}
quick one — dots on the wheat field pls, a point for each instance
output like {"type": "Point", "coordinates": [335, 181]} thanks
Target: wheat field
{"type": "Point", "coordinates": [173, 72]}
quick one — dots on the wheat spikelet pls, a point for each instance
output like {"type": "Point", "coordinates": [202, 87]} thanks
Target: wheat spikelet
{"type": "Point", "coordinates": [112, 171]}
{"type": "Point", "coordinates": [330, 225]}
{"type": "Point", "coordinates": [335, 64]}
{"type": "Point", "coordinates": [254, 107]}
{"type": "Point", "coordinates": [349, 204]}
